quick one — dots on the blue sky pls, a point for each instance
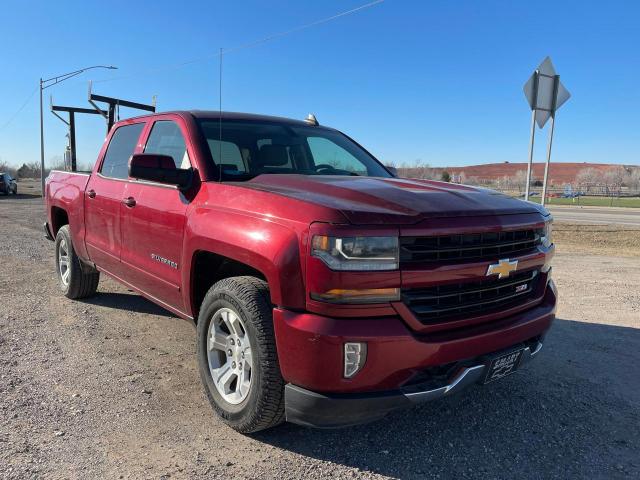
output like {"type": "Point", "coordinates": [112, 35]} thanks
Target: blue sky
{"type": "Point", "coordinates": [435, 81]}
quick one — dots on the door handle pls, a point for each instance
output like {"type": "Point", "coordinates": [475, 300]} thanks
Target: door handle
{"type": "Point", "coordinates": [91, 193]}
{"type": "Point", "coordinates": [129, 202]}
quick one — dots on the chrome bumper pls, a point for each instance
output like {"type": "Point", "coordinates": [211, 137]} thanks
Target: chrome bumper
{"type": "Point", "coordinates": [466, 377]}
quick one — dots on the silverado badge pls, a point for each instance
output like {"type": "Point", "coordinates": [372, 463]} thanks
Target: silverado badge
{"type": "Point", "coordinates": [160, 259]}
{"type": "Point", "coordinates": [503, 268]}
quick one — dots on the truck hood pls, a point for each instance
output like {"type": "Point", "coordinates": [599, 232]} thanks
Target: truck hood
{"type": "Point", "coordinates": [371, 200]}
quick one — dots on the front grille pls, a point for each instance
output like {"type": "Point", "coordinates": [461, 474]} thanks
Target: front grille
{"type": "Point", "coordinates": [468, 246]}
{"type": "Point", "coordinates": [450, 302]}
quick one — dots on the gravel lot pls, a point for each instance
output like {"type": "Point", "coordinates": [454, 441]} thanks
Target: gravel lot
{"type": "Point", "coordinates": [108, 388]}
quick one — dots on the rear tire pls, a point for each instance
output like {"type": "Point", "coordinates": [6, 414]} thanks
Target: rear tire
{"type": "Point", "coordinates": [245, 302]}
{"type": "Point", "coordinates": [76, 280]}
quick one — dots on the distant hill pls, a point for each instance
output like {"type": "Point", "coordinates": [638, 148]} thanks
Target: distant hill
{"type": "Point", "coordinates": [559, 173]}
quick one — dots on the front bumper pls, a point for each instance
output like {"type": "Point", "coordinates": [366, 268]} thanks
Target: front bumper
{"type": "Point", "coordinates": [312, 409]}
{"type": "Point", "coordinates": [310, 353]}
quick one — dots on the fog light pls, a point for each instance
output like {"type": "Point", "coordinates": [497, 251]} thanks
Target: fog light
{"type": "Point", "coordinates": [355, 354]}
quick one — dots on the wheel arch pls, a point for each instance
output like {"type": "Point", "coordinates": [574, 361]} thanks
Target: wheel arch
{"type": "Point", "coordinates": [59, 218]}
{"type": "Point", "coordinates": [207, 268]}
{"type": "Point", "coordinates": [272, 254]}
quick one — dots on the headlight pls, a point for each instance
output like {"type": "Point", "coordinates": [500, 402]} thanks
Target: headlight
{"type": "Point", "coordinates": [546, 234]}
{"type": "Point", "coordinates": [356, 253]}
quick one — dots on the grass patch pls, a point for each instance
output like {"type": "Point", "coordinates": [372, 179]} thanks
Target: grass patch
{"type": "Point", "coordinates": [586, 201]}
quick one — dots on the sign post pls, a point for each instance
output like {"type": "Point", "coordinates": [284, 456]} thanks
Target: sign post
{"type": "Point", "coordinates": [545, 94]}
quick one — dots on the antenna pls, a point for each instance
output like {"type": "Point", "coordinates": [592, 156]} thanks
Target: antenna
{"type": "Point", "coordinates": [220, 120]}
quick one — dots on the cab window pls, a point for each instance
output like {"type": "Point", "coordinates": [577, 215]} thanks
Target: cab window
{"type": "Point", "coordinates": [167, 139]}
{"type": "Point", "coordinates": [121, 147]}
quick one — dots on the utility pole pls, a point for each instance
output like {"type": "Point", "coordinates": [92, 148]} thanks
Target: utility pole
{"type": "Point", "coordinates": [41, 143]}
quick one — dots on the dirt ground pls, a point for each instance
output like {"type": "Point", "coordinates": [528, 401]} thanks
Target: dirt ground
{"type": "Point", "coordinates": [29, 186]}
{"type": "Point", "coordinates": [598, 239]}
{"type": "Point", "coordinates": [108, 387]}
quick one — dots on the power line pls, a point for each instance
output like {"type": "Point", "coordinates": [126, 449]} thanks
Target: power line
{"type": "Point", "coordinates": [216, 55]}
{"type": "Point", "coordinates": [12, 118]}
{"type": "Point", "coordinates": [303, 27]}
{"type": "Point", "coordinates": [255, 43]}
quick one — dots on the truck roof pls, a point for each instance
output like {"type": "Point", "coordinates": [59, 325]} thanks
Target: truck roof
{"type": "Point", "coordinates": [215, 114]}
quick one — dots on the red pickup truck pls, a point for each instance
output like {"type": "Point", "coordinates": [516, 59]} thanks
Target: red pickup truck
{"type": "Point", "coordinates": [324, 290]}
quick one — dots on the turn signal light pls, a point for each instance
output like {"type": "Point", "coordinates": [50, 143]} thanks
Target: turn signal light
{"type": "Point", "coordinates": [367, 295]}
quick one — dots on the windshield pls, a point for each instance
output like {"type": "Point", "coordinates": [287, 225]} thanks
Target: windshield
{"type": "Point", "coordinates": [251, 148]}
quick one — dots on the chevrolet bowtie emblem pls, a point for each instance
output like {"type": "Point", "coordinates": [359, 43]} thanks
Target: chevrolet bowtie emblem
{"type": "Point", "coordinates": [503, 268]}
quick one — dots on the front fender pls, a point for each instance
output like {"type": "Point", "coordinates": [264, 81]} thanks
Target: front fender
{"type": "Point", "coordinates": [259, 242]}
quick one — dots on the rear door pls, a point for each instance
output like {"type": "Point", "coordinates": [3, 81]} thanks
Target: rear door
{"type": "Point", "coordinates": [153, 227]}
{"type": "Point", "coordinates": [104, 197]}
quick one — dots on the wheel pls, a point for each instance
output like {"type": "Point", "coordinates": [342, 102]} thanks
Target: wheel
{"type": "Point", "coordinates": [76, 280]}
{"type": "Point", "coordinates": [237, 355]}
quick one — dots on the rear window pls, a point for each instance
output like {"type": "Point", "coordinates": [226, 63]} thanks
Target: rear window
{"type": "Point", "coordinates": [121, 147]}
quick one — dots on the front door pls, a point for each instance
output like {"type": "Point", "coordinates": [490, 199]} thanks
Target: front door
{"type": "Point", "coordinates": [104, 195]}
{"type": "Point", "coordinates": [154, 221]}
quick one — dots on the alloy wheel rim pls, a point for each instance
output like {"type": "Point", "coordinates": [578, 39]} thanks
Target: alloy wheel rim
{"type": "Point", "coordinates": [63, 262]}
{"type": "Point", "coordinates": [229, 356]}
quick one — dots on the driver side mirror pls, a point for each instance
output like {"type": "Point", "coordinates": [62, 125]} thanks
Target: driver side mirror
{"type": "Point", "coordinates": [159, 168]}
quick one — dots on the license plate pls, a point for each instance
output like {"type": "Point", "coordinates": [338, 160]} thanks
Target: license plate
{"type": "Point", "coordinates": [502, 365]}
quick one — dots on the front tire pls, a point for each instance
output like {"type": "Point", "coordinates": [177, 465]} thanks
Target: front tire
{"type": "Point", "coordinates": [237, 355]}
{"type": "Point", "coordinates": [76, 280]}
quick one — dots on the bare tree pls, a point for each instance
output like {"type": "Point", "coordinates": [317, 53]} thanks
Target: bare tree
{"type": "Point", "coordinates": [472, 180]}
{"type": "Point", "coordinates": [416, 170]}
{"type": "Point", "coordinates": [6, 168]}
{"type": "Point", "coordinates": [587, 179]}
{"type": "Point", "coordinates": [633, 181]}
{"type": "Point", "coordinates": [520, 180]}
{"type": "Point", "coordinates": [29, 170]}
{"type": "Point", "coordinates": [613, 180]}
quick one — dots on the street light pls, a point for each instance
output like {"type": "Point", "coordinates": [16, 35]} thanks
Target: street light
{"type": "Point", "coordinates": [50, 82]}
